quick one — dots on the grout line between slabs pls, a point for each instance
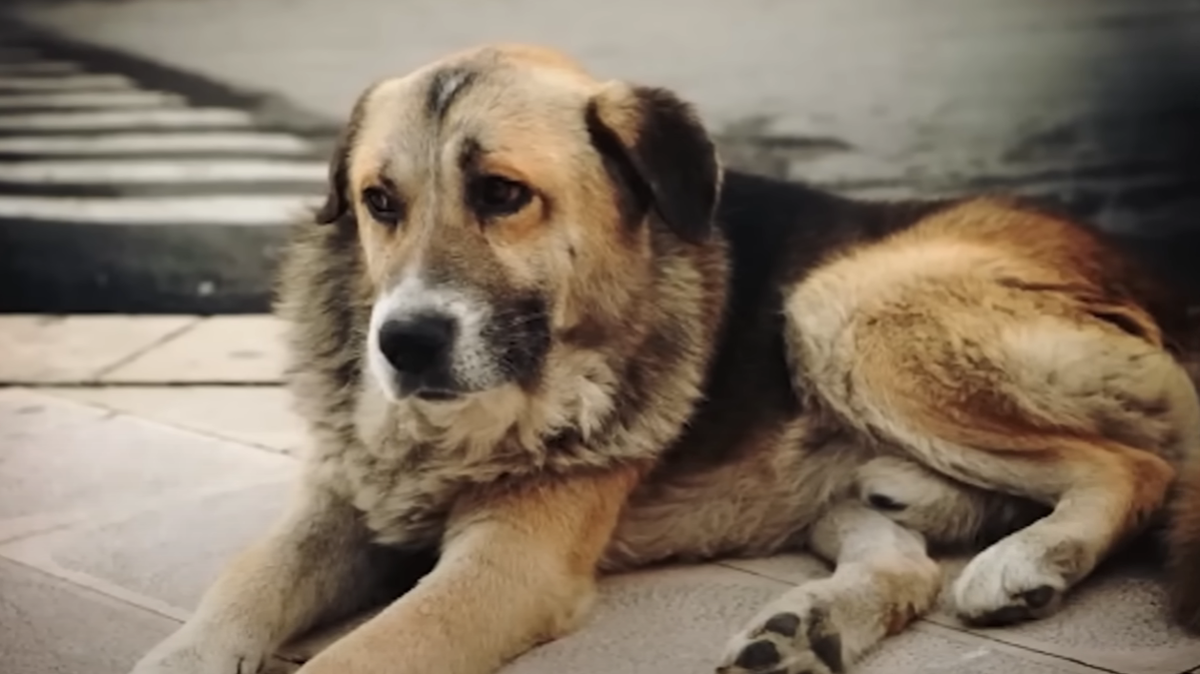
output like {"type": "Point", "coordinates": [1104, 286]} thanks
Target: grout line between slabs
{"type": "Point", "coordinates": [170, 336]}
{"type": "Point", "coordinates": [1022, 647]}
{"type": "Point", "coordinates": [290, 452]}
{"type": "Point", "coordinates": [731, 564]}
{"type": "Point", "coordinates": [87, 589]}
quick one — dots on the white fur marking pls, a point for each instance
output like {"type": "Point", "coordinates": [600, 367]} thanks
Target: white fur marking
{"type": "Point", "coordinates": [471, 362]}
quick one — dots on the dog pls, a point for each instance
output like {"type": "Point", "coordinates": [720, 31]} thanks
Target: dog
{"type": "Point", "coordinates": [539, 334]}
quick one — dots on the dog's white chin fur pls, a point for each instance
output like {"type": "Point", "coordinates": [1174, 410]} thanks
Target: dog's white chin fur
{"type": "Point", "coordinates": [383, 373]}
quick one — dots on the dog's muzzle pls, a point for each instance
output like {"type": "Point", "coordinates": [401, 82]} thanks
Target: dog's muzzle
{"type": "Point", "coordinates": [419, 349]}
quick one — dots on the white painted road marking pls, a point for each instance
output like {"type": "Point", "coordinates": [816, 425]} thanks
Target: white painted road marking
{"type": "Point", "coordinates": [157, 143]}
{"type": "Point", "coordinates": [183, 210]}
{"type": "Point", "coordinates": [117, 119]}
{"type": "Point", "coordinates": [149, 165]}
{"type": "Point", "coordinates": [74, 130]}
{"type": "Point", "coordinates": [131, 98]}
{"type": "Point", "coordinates": [127, 171]}
{"type": "Point", "coordinates": [80, 82]}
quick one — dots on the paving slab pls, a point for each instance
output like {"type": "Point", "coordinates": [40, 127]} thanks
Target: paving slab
{"type": "Point", "coordinates": [792, 568]}
{"type": "Point", "coordinates": [1117, 620]}
{"type": "Point", "coordinates": [53, 627]}
{"type": "Point", "coordinates": [932, 649]}
{"type": "Point", "coordinates": [162, 558]}
{"type": "Point", "coordinates": [220, 349]}
{"type": "Point", "coordinates": [70, 349]}
{"type": "Point", "coordinates": [112, 526]}
{"type": "Point", "coordinates": [662, 621]}
{"type": "Point", "coordinates": [63, 463]}
{"type": "Point", "coordinates": [257, 415]}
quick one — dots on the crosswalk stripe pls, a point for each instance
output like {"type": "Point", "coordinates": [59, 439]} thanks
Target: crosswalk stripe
{"type": "Point", "coordinates": [207, 209]}
{"type": "Point", "coordinates": [125, 183]}
{"type": "Point", "coordinates": [132, 98]}
{"type": "Point", "coordinates": [81, 82]}
{"type": "Point", "coordinates": [58, 172]}
{"type": "Point", "coordinates": [39, 68]}
{"type": "Point", "coordinates": [156, 143]}
{"type": "Point", "coordinates": [118, 119]}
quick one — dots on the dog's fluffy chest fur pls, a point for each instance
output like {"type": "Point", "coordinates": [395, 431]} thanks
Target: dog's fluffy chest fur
{"type": "Point", "coordinates": [411, 460]}
{"type": "Point", "coordinates": [404, 474]}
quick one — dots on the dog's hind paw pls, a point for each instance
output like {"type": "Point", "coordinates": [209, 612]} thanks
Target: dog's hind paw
{"type": "Point", "coordinates": [796, 636]}
{"type": "Point", "coordinates": [1015, 580]}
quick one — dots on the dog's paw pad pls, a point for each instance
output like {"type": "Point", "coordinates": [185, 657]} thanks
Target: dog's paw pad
{"type": "Point", "coordinates": [803, 641]}
{"type": "Point", "coordinates": [783, 624]}
{"type": "Point", "coordinates": [758, 656]}
{"type": "Point", "coordinates": [1039, 597]}
{"type": "Point", "coordinates": [1029, 605]}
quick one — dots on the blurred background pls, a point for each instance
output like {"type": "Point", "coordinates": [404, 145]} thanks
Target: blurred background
{"type": "Point", "coordinates": [152, 150]}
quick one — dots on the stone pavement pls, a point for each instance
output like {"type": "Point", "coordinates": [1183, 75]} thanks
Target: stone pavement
{"type": "Point", "coordinates": [138, 453]}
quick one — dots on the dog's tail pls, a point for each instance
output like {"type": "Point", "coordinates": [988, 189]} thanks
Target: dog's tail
{"type": "Point", "coordinates": [1183, 546]}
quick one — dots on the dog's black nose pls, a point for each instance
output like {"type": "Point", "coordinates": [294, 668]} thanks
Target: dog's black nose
{"type": "Point", "coordinates": [419, 345]}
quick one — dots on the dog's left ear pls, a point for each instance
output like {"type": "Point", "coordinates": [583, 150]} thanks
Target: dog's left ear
{"type": "Point", "coordinates": [661, 154]}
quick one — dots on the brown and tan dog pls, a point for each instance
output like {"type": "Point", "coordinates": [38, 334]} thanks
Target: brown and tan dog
{"type": "Point", "coordinates": [537, 332]}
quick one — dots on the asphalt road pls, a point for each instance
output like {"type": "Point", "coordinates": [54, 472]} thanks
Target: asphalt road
{"type": "Point", "coordinates": [126, 186]}
{"type": "Point", "coordinates": [1090, 104]}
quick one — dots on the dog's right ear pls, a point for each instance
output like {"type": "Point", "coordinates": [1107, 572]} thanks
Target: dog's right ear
{"type": "Point", "coordinates": [337, 204]}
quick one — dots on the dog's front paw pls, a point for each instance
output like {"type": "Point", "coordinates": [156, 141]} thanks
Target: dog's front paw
{"type": "Point", "coordinates": [795, 635]}
{"type": "Point", "coordinates": [180, 654]}
{"type": "Point", "coordinates": [194, 662]}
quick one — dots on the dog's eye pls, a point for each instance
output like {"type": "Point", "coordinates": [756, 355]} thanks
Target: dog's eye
{"type": "Point", "coordinates": [493, 196]}
{"type": "Point", "coordinates": [382, 206]}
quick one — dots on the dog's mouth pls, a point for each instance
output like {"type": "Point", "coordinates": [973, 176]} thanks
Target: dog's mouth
{"type": "Point", "coordinates": [436, 395]}
{"type": "Point", "coordinates": [430, 388]}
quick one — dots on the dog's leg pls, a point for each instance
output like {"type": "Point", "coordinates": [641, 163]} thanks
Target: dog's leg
{"type": "Point", "coordinates": [317, 565]}
{"type": "Point", "coordinates": [883, 580]}
{"type": "Point", "coordinates": [517, 568]}
{"type": "Point", "coordinates": [1105, 493]}
{"type": "Point", "coordinates": [1084, 421]}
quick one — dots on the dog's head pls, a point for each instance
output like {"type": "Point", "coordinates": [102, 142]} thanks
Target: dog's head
{"type": "Point", "coordinates": [504, 202]}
